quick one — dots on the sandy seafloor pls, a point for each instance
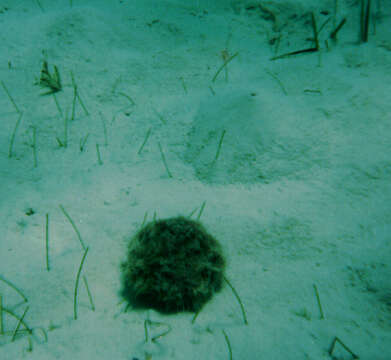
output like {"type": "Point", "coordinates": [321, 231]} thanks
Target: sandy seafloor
{"type": "Point", "coordinates": [299, 196]}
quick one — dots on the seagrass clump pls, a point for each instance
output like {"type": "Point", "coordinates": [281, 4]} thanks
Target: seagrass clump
{"type": "Point", "coordinates": [172, 265]}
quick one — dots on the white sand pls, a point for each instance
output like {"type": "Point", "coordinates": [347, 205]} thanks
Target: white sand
{"type": "Point", "coordinates": [299, 195]}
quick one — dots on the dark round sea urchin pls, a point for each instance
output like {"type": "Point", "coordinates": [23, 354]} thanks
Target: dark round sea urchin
{"type": "Point", "coordinates": [172, 265]}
